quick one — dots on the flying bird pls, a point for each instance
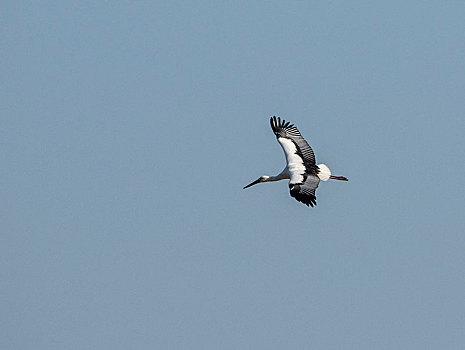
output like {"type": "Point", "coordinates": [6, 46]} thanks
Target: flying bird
{"type": "Point", "coordinates": [302, 171]}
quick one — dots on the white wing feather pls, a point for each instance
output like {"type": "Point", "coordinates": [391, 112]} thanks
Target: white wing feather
{"type": "Point", "coordinates": [295, 164]}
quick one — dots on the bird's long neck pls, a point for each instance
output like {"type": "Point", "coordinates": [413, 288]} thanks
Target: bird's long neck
{"type": "Point", "coordinates": [281, 176]}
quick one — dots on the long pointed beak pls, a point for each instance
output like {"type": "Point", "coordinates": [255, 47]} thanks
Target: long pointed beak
{"type": "Point", "coordinates": [251, 184]}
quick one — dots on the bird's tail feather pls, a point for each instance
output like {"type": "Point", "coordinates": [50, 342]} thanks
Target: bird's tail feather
{"type": "Point", "coordinates": [324, 173]}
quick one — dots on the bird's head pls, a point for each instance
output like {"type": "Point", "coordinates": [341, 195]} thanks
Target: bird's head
{"type": "Point", "coordinates": [263, 178]}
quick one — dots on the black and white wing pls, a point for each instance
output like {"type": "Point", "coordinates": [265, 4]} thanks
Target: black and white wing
{"type": "Point", "coordinates": [299, 155]}
{"type": "Point", "coordinates": [300, 161]}
{"type": "Point", "coordinates": [305, 192]}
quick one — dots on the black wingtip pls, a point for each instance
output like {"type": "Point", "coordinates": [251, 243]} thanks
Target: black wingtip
{"type": "Point", "coordinates": [305, 198]}
{"type": "Point", "coordinates": [278, 124]}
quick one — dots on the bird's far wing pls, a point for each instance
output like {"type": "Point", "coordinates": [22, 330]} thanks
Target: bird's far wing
{"type": "Point", "coordinates": [283, 129]}
{"type": "Point", "coordinates": [305, 192]}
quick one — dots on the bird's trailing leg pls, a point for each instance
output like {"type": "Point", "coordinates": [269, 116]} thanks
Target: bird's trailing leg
{"type": "Point", "coordinates": [342, 178]}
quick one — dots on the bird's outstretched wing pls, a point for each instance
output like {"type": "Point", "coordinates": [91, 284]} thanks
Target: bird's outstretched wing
{"type": "Point", "coordinates": [299, 155]}
{"type": "Point", "coordinates": [289, 131]}
{"type": "Point", "coordinates": [305, 192]}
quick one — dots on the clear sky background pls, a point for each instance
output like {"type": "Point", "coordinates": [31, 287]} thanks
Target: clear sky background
{"type": "Point", "coordinates": [128, 130]}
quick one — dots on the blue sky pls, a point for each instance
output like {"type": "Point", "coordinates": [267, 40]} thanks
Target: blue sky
{"type": "Point", "coordinates": [129, 129]}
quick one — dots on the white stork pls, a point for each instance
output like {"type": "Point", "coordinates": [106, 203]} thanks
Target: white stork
{"type": "Point", "coordinates": [303, 173]}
